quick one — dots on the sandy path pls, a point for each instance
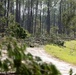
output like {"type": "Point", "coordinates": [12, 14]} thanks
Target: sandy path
{"type": "Point", "coordinates": [62, 66]}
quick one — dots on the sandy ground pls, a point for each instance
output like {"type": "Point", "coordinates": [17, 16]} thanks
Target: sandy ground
{"type": "Point", "coordinates": [61, 65]}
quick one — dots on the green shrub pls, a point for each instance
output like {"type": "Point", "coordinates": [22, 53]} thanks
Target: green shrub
{"type": "Point", "coordinates": [71, 72]}
{"type": "Point", "coordinates": [59, 42]}
{"type": "Point", "coordinates": [17, 31]}
{"type": "Point", "coordinates": [22, 63]}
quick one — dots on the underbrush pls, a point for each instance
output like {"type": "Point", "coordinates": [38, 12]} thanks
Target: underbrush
{"type": "Point", "coordinates": [14, 60]}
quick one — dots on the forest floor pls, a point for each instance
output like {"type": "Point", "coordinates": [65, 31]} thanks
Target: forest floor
{"type": "Point", "coordinates": [62, 66]}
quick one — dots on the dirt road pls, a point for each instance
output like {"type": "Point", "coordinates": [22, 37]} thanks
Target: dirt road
{"type": "Point", "coordinates": [62, 66]}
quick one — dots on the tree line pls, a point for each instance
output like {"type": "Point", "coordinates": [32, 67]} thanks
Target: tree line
{"type": "Point", "coordinates": [40, 16]}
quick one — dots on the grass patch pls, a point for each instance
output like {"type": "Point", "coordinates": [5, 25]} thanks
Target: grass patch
{"type": "Point", "coordinates": [66, 53]}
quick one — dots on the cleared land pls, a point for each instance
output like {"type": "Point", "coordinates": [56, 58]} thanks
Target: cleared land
{"type": "Point", "coordinates": [66, 53]}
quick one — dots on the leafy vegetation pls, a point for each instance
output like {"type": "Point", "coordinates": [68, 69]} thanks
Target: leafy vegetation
{"type": "Point", "coordinates": [66, 52]}
{"type": "Point", "coordinates": [17, 31]}
{"type": "Point", "coordinates": [48, 21]}
{"type": "Point", "coordinates": [16, 60]}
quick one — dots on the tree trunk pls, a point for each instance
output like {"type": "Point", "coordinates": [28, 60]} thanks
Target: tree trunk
{"type": "Point", "coordinates": [17, 13]}
{"type": "Point", "coordinates": [36, 16]}
{"type": "Point", "coordinates": [59, 23]}
{"type": "Point", "coordinates": [48, 17]}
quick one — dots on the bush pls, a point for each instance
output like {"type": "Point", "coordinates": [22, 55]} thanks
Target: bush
{"type": "Point", "coordinates": [21, 63]}
{"type": "Point", "coordinates": [17, 31]}
{"type": "Point", "coordinates": [59, 43]}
